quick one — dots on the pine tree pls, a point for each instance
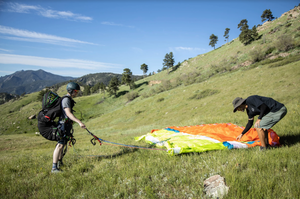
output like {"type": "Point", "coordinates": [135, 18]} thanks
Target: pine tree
{"type": "Point", "coordinates": [226, 34]}
{"type": "Point", "coordinates": [213, 40]}
{"type": "Point", "coordinates": [144, 68]}
{"type": "Point", "coordinates": [243, 25]}
{"type": "Point", "coordinates": [168, 61]}
{"type": "Point", "coordinates": [87, 90]}
{"type": "Point", "coordinates": [247, 35]}
{"type": "Point", "coordinates": [113, 86]}
{"type": "Point", "coordinates": [95, 88]}
{"type": "Point", "coordinates": [267, 15]}
{"type": "Point", "coordinates": [254, 33]}
{"type": "Point", "coordinates": [126, 76]}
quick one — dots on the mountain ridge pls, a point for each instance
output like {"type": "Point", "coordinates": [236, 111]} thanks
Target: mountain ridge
{"type": "Point", "coordinates": [28, 81]}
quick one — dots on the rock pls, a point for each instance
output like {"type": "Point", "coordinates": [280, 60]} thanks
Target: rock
{"type": "Point", "coordinates": [32, 117]}
{"type": "Point", "coordinates": [215, 187]}
{"type": "Point", "coordinates": [37, 133]}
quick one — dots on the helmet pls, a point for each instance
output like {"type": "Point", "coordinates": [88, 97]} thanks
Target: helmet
{"type": "Point", "coordinates": [72, 86]}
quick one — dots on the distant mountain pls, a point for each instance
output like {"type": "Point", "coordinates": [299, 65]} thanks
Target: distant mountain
{"type": "Point", "coordinates": [29, 81]}
{"type": "Point", "coordinates": [92, 79]}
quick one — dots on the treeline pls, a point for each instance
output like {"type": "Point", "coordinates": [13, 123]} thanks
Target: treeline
{"type": "Point", "coordinates": [247, 36]}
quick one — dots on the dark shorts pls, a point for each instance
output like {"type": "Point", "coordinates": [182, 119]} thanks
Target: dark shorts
{"type": "Point", "coordinates": [65, 130]}
{"type": "Point", "coordinates": [58, 133]}
{"type": "Point", "coordinates": [269, 120]}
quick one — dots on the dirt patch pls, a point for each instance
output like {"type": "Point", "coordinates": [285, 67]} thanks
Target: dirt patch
{"type": "Point", "coordinates": [263, 26]}
{"type": "Point", "coordinates": [151, 83]}
{"type": "Point", "coordinates": [293, 12]}
{"type": "Point", "coordinates": [280, 55]}
{"type": "Point", "coordinates": [246, 63]}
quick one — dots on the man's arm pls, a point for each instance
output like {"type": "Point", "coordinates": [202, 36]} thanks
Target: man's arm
{"type": "Point", "coordinates": [248, 126]}
{"type": "Point", "coordinates": [72, 117]}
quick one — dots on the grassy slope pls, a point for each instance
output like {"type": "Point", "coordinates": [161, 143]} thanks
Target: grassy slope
{"type": "Point", "coordinates": [26, 158]}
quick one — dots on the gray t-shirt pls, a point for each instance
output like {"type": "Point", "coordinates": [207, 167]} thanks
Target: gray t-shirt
{"type": "Point", "coordinates": [65, 103]}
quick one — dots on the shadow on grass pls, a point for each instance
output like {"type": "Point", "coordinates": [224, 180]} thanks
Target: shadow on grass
{"type": "Point", "coordinates": [141, 84]}
{"type": "Point", "coordinates": [120, 153]}
{"type": "Point", "coordinates": [289, 140]}
{"type": "Point", "coordinates": [122, 93]}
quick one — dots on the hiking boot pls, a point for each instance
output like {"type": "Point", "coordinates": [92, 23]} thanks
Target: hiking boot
{"type": "Point", "coordinates": [55, 170]}
{"type": "Point", "coordinates": [60, 164]}
{"type": "Point", "coordinates": [262, 148]}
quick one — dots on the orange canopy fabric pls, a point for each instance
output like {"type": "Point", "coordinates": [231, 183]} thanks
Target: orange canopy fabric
{"type": "Point", "coordinates": [228, 132]}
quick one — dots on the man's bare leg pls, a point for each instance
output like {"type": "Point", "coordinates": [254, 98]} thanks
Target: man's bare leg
{"type": "Point", "coordinates": [262, 136]}
{"type": "Point", "coordinates": [57, 152]}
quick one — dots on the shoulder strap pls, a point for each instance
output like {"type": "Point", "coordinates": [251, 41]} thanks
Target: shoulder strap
{"type": "Point", "coordinates": [72, 105]}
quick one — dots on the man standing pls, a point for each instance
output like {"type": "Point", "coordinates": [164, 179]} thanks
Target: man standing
{"type": "Point", "coordinates": [269, 112]}
{"type": "Point", "coordinates": [62, 131]}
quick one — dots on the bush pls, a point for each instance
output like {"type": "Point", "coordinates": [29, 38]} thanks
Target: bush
{"type": "Point", "coordinates": [160, 99]}
{"type": "Point", "coordinates": [203, 94]}
{"type": "Point", "coordinates": [166, 85]}
{"type": "Point", "coordinates": [177, 82]}
{"type": "Point", "coordinates": [149, 94]}
{"type": "Point", "coordinates": [297, 35]}
{"type": "Point", "coordinates": [132, 95]}
{"type": "Point", "coordinates": [270, 50]}
{"type": "Point", "coordinates": [284, 43]}
{"type": "Point", "coordinates": [287, 60]}
{"type": "Point", "coordinates": [288, 25]}
{"type": "Point", "coordinates": [256, 55]}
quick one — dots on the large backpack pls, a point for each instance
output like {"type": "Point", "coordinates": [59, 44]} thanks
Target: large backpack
{"type": "Point", "coordinates": [51, 107]}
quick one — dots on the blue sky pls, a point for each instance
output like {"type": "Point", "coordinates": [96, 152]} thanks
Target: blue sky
{"type": "Point", "coordinates": [79, 37]}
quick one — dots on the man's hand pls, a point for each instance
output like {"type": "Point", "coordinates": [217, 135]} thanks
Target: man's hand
{"type": "Point", "coordinates": [257, 123]}
{"type": "Point", "coordinates": [82, 125]}
{"type": "Point", "coordinates": [239, 137]}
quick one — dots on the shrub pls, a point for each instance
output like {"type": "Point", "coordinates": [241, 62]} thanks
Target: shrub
{"type": "Point", "coordinates": [203, 94]}
{"type": "Point", "coordinates": [288, 25]}
{"type": "Point", "coordinates": [297, 35]}
{"type": "Point", "coordinates": [177, 82]}
{"type": "Point", "coordinates": [138, 112]}
{"type": "Point", "coordinates": [160, 99]}
{"type": "Point", "coordinates": [256, 55]}
{"type": "Point", "coordinates": [270, 50]}
{"type": "Point", "coordinates": [150, 93]}
{"type": "Point", "coordinates": [166, 84]}
{"type": "Point", "coordinates": [132, 95]}
{"type": "Point", "coordinates": [284, 43]}
{"type": "Point", "coordinates": [285, 61]}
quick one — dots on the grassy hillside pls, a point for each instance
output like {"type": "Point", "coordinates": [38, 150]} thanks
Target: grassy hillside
{"type": "Point", "coordinates": [200, 91]}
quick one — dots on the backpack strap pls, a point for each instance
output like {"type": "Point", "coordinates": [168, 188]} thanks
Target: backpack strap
{"type": "Point", "coordinates": [64, 117]}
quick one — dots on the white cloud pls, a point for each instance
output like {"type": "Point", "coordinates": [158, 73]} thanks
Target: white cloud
{"type": "Point", "coordinates": [115, 24]}
{"type": "Point", "coordinates": [25, 35]}
{"type": "Point", "coordinates": [5, 50]}
{"type": "Point", "coordinates": [189, 49]}
{"type": "Point", "coordinates": [23, 8]}
{"type": "Point", "coordinates": [136, 49]}
{"type": "Point", "coordinates": [6, 72]}
{"type": "Point", "coordinates": [55, 63]}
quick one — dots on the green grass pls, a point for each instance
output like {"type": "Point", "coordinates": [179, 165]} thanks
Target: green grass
{"type": "Point", "coordinates": [26, 159]}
